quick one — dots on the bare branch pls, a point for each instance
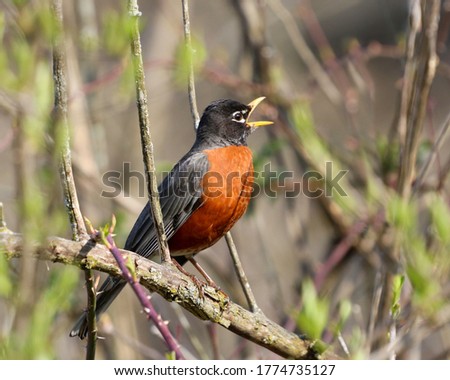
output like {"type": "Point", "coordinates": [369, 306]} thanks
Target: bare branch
{"type": "Point", "coordinates": [144, 127]}
{"type": "Point", "coordinates": [66, 172]}
{"type": "Point", "coordinates": [90, 314]}
{"type": "Point", "coordinates": [60, 121]}
{"type": "Point", "coordinates": [3, 228]}
{"type": "Point", "coordinates": [305, 53]}
{"type": "Point", "coordinates": [434, 153]}
{"type": "Point", "coordinates": [421, 62]}
{"type": "Point", "coordinates": [173, 286]}
{"type": "Point", "coordinates": [191, 80]}
{"type": "Point", "coordinates": [251, 300]}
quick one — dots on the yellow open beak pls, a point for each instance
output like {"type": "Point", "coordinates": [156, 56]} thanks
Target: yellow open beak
{"type": "Point", "coordinates": [253, 105]}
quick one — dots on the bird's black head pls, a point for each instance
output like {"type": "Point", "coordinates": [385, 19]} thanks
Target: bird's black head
{"type": "Point", "coordinates": [226, 122]}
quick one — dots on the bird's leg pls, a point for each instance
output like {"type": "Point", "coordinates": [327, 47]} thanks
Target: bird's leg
{"type": "Point", "coordinates": [194, 279]}
{"type": "Point", "coordinates": [205, 275]}
{"type": "Point", "coordinates": [197, 282]}
{"type": "Point", "coordinates": [208, 279]}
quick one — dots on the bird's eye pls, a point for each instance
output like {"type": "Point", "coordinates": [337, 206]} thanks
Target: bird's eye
{"type": "Point", "coordinates": [238, 117]}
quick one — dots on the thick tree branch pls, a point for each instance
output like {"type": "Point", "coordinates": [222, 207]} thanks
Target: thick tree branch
{"type": "Point", "coordinates": [173, 286]}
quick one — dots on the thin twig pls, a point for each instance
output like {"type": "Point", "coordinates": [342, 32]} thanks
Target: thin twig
{"type": "Point", "coordinates": [445, 171]}
{"type": "Point", "coordinates": [343, 344]}
{"type": "Point", "coordinates": [213, 337]}
{"type": "Point", "coordinates": [432, 156]}
{"type": "Point", "coordinates": [420, 69]}
{"type": "Point", "coordinates": [90, 314]}
{"type": "Point", "coordinates": [194, 339]}
{"type": "Point", "coordinates": [60, 121]}
{"type": "Point", "coordinates": [142, 296]}
{"type": "Point", "coordinates": [326, 53]}
{"type": "Point", "coordinates": [8, 103]}
{"type": "Point", "coordinates": [191, 79]}
{"type": "Point", "coordinates": [241, 275]}
{"type": "Point", "coordinates": [144, 127]}
{"type": "Point", "coordinates": [339, 252]}
{"type": "Point", "coordinates": [3, 227]}
{"type": "Point", "coordinates": [301, 47]}
{"type": "Point", "coordinates": [392, 340]}
{"type": "Point", "coordinates": [375, 306]}
{"type": "Point", "coordinates": [66, 173]}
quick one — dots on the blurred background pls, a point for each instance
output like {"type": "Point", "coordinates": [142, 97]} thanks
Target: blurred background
{"type": "Point", "coordinates": [332, 72]}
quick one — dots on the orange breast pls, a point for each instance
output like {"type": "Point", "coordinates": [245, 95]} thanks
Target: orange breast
{"type": "Point", "coordinates": [227, 188]}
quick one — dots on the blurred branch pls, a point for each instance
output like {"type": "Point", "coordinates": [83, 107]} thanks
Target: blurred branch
{"type": "Point", "coordinates": [252, 17]}
{"type": "Point", "coordinates": [173, 286]}
{"type": "Point", "coordinates": [3, 227]}
{"type": "Point", "coordinates": [420, 69]}
{"type": "Point", "coordinates": [326, 53]}
{"type": "Point", "coordinates": [339, 252]}
{"type": "Point", "coordinates": [305, 53]}
{"type": "Point", "coordinates": [144, 127]}
{"type": "Point", "coordinates": [445, 171]}
{"type": "Point", "coordinates": [8, 103]}
{"type": "Point", "coordinates": [421, 331]}
{"type": "Point", "coordinates": [434, 152]}
{"type": "Point", "coordinates": [421, 62]}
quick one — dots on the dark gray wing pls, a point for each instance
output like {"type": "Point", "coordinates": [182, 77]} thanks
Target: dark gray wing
{"type": "Point", "coordinates": [180, 195]}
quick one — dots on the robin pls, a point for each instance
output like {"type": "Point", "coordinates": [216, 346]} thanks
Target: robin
{"type": "Point", "coordinates": [202, 197]}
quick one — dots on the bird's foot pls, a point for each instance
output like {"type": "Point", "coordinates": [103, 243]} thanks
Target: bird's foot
{"type": "Point", "coordinates": [198, 283]}
{"type": "Point", "coordinates": [205, 275]}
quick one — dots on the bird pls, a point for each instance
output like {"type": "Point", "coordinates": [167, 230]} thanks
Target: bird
{"type": "Point", "coordinates": [202, 197]}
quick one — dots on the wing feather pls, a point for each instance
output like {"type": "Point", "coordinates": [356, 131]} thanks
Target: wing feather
{"type": "Point", "coordinates": [180, 195]}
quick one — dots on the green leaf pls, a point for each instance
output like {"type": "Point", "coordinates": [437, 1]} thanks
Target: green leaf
{"type": "Point", "coordinates": [23, 60]}
{"type": "Point", "coordinates": [6, 286]}
{"type": "Point", "coordinates": [345, 310]}
{"type": "Point", "coordinates": [397, 286]}
{"type": "Point", "coordinates": [2, 26]}
{"type": "Point", "coordinates": [117, 28]}
{"type": "Point", "coordinates": [129, 263]}
{"type": "Point", "coordinates": [170, 355]}
{"type": "Point", "coordinates": [47, 23]}
{"type": "Point", "coordinates": [440, 217]}
{"type": "Point", "coordinates": [54, 300]}
{"type": "Point", "coordinates": [184, 56]}
{"type": "Point", "coordinates": [313, 317]}
{"type": "Point", "coordinates": [325, 164]}
{"type": "Point", "coordinates": [402, 214]}
{"type": "Point", "coordinates": [43, 91]}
